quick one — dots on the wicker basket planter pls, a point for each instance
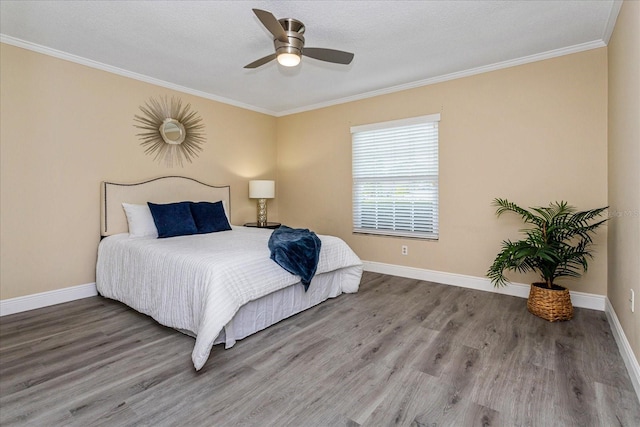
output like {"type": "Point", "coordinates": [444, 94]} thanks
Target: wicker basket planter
{"type": "Point", "coordinates": [550, 304]}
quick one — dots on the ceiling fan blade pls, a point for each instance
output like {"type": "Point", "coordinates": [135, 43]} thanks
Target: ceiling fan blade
{"type": "Point", "coordinates": [329, 55]}
{"type": "Point", "coordinates": [271, 23]}
{"type": "Point", "coordinates": [261, 61]}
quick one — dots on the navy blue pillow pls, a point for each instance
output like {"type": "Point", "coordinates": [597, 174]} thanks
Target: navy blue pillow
{"type": "Point", "coordinates": [173, 219]}
{"type": "Point", "coordinates": [209, 217]}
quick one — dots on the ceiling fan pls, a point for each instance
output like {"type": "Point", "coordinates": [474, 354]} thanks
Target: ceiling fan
{"type": "Point", "coordinates": [289, 43]}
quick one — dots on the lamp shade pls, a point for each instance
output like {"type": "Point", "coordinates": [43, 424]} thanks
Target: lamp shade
{"type": "Point", "coordinates": [262, 189]}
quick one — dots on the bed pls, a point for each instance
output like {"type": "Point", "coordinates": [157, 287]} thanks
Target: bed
{"type": "Point", "coordinates": [218, 287]}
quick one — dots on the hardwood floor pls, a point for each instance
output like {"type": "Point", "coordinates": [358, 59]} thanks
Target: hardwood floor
{"type": "Point", "coordinates": [399, 352]}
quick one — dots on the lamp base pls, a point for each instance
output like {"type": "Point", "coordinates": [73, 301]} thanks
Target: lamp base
{"type": "Point", "coordinates": [262, 212]}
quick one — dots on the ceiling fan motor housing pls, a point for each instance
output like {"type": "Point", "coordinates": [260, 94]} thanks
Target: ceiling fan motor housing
{"type": "Point", "coordinates": [294, 30]}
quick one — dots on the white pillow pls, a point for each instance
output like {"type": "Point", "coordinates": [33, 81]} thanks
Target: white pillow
{"type": "Point", "coordinates": [140, 221]}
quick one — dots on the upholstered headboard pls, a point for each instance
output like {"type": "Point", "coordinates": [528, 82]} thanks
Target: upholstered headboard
{"type": "Point", "coordinates": [159, 190]}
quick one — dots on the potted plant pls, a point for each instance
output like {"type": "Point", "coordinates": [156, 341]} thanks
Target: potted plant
{"type": "Point", "coordinates": [557, 244]}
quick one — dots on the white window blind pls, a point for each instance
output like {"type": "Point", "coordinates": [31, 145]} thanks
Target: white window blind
{"type": "Point", "coordinates": [395, 177]}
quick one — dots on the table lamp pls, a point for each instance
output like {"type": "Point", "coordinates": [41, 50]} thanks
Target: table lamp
{"type": "Point", "coordinates": [262, 190]}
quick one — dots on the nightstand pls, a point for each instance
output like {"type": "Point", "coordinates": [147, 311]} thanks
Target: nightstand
{"type": "Point", "coordinates": [270, 225]}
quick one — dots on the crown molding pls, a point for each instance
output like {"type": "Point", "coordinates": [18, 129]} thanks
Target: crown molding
{"type": "Point", "coordinates": [611, 21]}
{"type": "Point", "coordinates": [420, 83]}
{"type": "Point", "coordinates": [125, 73]}
{"type": "Point", "coordinates": [452, 76]}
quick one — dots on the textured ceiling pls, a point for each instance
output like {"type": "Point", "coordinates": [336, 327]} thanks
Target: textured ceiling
{"type": "Point", "coordinates": [201, 47]}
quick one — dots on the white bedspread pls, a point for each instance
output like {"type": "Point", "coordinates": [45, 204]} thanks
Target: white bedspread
{"type": "Point", "coordinates": [197, 283]}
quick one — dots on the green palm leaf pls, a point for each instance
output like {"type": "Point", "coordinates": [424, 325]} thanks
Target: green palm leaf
{"type": "Point", "coordinates": [557, 244]}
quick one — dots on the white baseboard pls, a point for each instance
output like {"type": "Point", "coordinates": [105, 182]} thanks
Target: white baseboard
{"type": "Point", "coordinates": [58, 296]}
{"type": "Point", "coordinates": [626, 351]}
{"type": "Point", "coordinates": [578, 299]}
{"type": "Point", "coordinates": [45, 299]}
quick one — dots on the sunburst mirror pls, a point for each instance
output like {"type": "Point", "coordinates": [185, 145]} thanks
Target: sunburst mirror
{"type": "Point", "coordinates": [172, 132]}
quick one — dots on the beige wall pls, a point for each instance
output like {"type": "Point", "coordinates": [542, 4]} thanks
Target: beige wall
{"type": "Point", "coordinates": [66, 127]}
{"type": "Point", "coordinates": [535, 133]}
{"type": "Point", "coordinates": [624, 170]}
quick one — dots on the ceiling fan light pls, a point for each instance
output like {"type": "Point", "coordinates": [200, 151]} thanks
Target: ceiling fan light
{"type": "Point", "coordinates": [288, 59]}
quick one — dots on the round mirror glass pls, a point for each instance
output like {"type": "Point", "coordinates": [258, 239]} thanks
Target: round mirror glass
{"type": "Point", "coordinates": [172, 131]}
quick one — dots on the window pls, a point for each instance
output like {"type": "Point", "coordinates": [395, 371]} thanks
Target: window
{"type": "Point", "coordinates": [395, 177]}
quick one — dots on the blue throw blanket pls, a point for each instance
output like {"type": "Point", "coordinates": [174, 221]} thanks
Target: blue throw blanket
{"type": "Point", "coordinates": [297, 250]}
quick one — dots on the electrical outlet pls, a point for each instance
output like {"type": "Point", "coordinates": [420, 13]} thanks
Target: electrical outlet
{"type": "Point", "coordinates": [632, 300]}
{"type": "Point", "coordinates": [405, 250]}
